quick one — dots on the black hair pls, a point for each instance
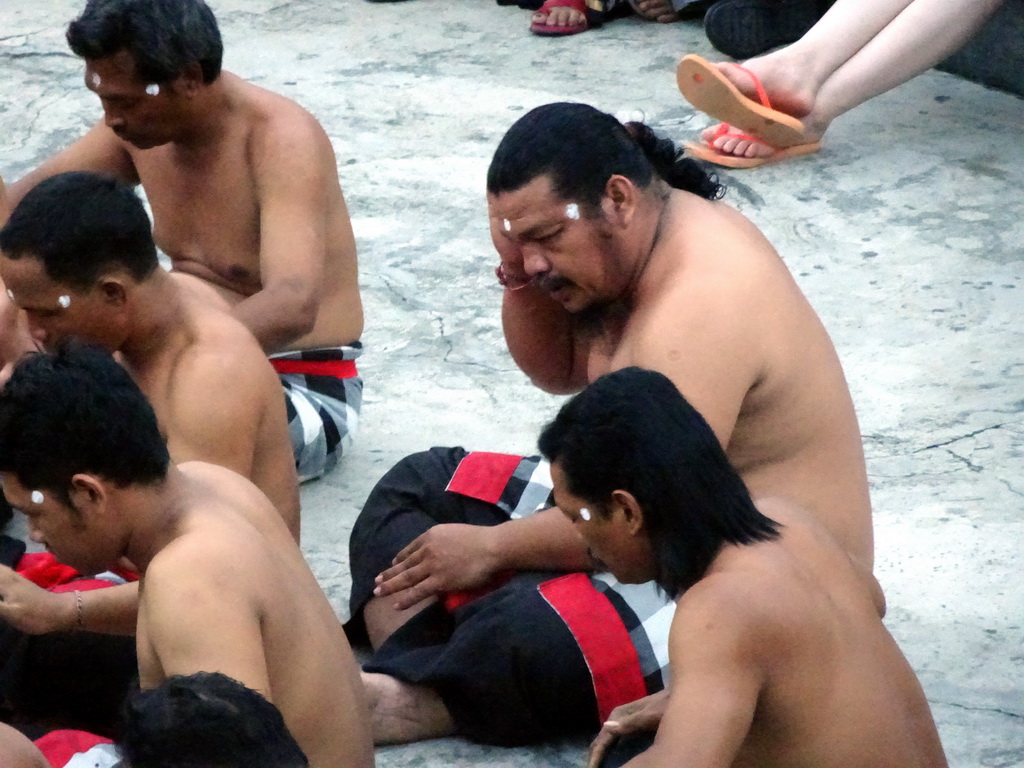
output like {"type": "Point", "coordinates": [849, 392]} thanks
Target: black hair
{"type": "Point", "coordinates": [163, 36]}
{"type": "Point", "coordinates": [580, 148]}
{"type": "Point", "coordinates": [77, 410]}
{"type": "Point", "coordinates": [203, 720]}
{"type": "Point", "coordinates": [632, 430]}
{"type": "Point", "coordinates": [80, 225]}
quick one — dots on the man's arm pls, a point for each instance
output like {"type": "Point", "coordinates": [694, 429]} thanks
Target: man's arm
{"type": "Point", "coordinates": [36, 611]}
{"type": "Point", "coordinates": [542, 339]}
{"type": "Point", "coordinates": [198, 616]}
{"type": "Point", "coordinates": [99, 151]}
{"type": "Point", "coordinates": [295, 174]}
{"type": "Point", "coordinates": [453, 556]}
{"type": "Point", "coordinates": [718, 673]}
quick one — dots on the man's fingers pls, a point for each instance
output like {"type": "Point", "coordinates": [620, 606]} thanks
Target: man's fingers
{"type": "Point", "coordinates": [396, 579]}
{"type": "Point", "coordinates": [600, 745]}
{"type": "Point", "coordinates": [409, 550]}
{"type": "Point", "coordinates": [409, 597]}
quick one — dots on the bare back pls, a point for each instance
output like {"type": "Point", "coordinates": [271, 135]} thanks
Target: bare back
{"type": "Point", "coordinates": [780, 658]}
{"type": "Point", "coordinates": [232, 593]}
{"type": "Point", "coordinates": [720, 315]}
{"type": "Point", "coordinates": [218, 400]}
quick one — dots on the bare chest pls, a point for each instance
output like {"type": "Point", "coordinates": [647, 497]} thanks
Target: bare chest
{"type": "Point", "coordinates": [206, 215]}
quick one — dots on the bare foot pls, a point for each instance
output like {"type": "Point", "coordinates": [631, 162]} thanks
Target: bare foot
{"type": "Point", "coordinates": [787, 93]}
{"type": "Point", "coordinates": [401, 713]}
{"type": "Point", "coordinates": [559, 17]}
{"type": "Point", "coordinates": [656, 10]}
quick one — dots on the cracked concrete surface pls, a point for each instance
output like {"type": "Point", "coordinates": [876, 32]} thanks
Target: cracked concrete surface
{"type": "Point", "coordinates": [905, 232]}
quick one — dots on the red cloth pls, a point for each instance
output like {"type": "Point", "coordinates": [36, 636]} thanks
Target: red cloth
{"type": "Point", "coordinates": [339, 369]}
{"type": "Point", "coordinates": [602, 637]}
{"type": "Point", "coordinates": [60, 746]}
{"type": "Point", "coordinates": [42, 569]}
{"type": "Point", "coordinates": [482, 475]}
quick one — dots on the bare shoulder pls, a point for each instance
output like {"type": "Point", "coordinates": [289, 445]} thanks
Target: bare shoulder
{"type": "Point", "coordinates": [281, 130]}
{"type": "Point", "coordinates": [224, 352]}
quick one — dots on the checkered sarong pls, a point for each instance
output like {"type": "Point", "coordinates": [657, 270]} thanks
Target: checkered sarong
{"type": "Point", "coordinates": [323, 394]}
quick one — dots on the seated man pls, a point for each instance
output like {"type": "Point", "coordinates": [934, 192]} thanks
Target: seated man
{"type": "Point", "coordinates": [78, 258]}
{"type": "Point", "coordinates": [244, 191]}
{"type": "Point", "coordinates": [614, 252]}
{"type": "Point", "coordinates": [224, 587]}
{"type": "Point", "coordinates": [778, 654]}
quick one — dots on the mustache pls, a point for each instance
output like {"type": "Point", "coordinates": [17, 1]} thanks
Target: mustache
{"type": "Point", "coordinates": [551, 283]}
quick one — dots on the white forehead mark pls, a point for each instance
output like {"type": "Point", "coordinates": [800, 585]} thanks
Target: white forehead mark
{"type": "Point", "coordinates": [152, 89]}
{"type": "Point", "coordinates": [95, 80]}
{"type": "Point", "coordinates": [585, 513]}
{"type": "Point", "coordinates": [507, 225]}
{"type": "Point", "coordinates": [64, 301]}
{"type": "Point", "coordinates": [572, 211]}
{"type": "Point", "coordinates": [10, 294]}
{"type": "Point", "coordinates": [37, 497]}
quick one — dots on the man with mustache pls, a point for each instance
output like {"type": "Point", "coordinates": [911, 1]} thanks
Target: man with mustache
{"type": "Point", "coordinates": [614, 252]}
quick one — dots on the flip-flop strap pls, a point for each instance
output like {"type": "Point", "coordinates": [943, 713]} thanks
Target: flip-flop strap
{"type": "Point", "coordinates": [724, 128]}
{"type": "Point", "coordinates": [576, 5]}
{"type": "Point", "coordinates": [762, 94]}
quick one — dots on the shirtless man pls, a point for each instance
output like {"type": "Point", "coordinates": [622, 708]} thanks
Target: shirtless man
{"type": "Point", "coordinates": [78, 258]}
{"type": "Point", "coordinates": [778, 653]}
{"type": "Point", "coordinates": [614, 252]}
{"type": "Point", "coordinates": [244, 191]}
{"type": "Point", "coordinates": [224, 587]}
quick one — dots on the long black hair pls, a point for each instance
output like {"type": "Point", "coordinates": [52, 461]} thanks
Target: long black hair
{"type": "Point", "coordinates": [632, 430]}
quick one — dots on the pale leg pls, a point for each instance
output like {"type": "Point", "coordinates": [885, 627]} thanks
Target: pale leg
{"type": "Point", "coordinates": [858, 50]}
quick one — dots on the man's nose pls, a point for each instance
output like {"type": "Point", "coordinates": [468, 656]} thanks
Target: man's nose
{"type": "Point", "coordinates": [37, 332]}
{"type": "Point", "coordinates": [534, 262]}
{"type": "Point", "coordinates": [36, 536]}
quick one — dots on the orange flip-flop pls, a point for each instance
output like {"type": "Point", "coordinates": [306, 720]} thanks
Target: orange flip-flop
{"type": "Point", "coordinates": [707, 89]}
{"type": "Point", "coordinates": [708, 153]}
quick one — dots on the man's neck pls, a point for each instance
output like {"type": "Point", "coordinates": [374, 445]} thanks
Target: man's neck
{"type": "Point", "coordinates": [156, 512]}
{"type": "Point", "coordinates": [159, 322]}
{"type": "Point", "coordinates": [210, 113]}
{"type": "Point", "coordinates": [652, 216]}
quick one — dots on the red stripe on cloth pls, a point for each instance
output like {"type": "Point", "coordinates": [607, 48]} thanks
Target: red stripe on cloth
{"type": "Point", "coordinates": [60, 746]}
{"type": "Point", "coordinates": [602, 637]}
{"type": "Point", "coordinates": [339, 369]}
{"type": "Point", "coordinates": [461, 597]}
{"type": "Point", "coordinates": [482, 475]}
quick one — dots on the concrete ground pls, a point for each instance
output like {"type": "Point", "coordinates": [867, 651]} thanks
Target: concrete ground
{"type": "Point", "coordinates": [905, 232]}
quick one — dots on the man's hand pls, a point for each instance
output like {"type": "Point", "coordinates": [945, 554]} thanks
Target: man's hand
{"type": "Point", "coordinates": [641, 715]}
{"type": "Point", "coordinates": [446, 558]}
{"type": "Point", "coordinates": [32, 609]}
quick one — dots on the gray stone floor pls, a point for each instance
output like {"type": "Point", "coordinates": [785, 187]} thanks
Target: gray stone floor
{"type": "Point", "coordinates": [905, 233]}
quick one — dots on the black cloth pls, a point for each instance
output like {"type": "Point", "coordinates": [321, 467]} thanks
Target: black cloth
{"type": "Point", "coordinates": [64, 679]}
{"type": "Point", "coordinates": [506, 666]}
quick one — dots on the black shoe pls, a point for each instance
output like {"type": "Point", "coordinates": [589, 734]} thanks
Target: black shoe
{"type": "Point", "coordinates": [745, 28]}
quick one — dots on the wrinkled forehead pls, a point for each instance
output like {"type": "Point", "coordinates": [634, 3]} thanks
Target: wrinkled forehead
{"type": "Point", "coordinates": [533, 205]}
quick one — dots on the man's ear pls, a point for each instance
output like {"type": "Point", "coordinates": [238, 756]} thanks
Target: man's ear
{"type": "Point", "coordinates": [189, 82]}
{"type": "Point", "coordinates": [625, 503]}
{"type": "Point", "coordinates": [620, 200]}
{"type": "Point", "coordinates": [114, 290]}
{"type": "Point", "coordinates": [87, 493]}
